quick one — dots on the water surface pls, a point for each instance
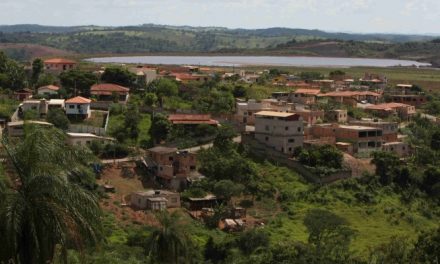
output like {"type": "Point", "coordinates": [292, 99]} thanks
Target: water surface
{"type": "Point", "coordinates": [229, 61]}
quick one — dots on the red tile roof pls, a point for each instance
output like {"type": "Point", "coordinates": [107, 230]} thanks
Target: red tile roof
{"type": "Point", "coordinates": [108, 89]}
{"type": "Point", "coordinates": [349, 94]}
{"type": "Point", "coordinates": [307, 91]}
{"type": "Point", "coordinates": [59, 61]}
{"type": "Point", "coordinates": [185, 77]}
{"type": "Point", "coordinates": [50, 87]}
{"type": "Point", "coordinates": [191, 119]}
{"type": "Point", "coordinates": [386, 106]}
{"type": "Point", "coordinates": [78, 100]}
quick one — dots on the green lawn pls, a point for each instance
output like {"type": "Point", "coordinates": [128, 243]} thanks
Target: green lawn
{"type": "Point", "coordinates": [117, 121]}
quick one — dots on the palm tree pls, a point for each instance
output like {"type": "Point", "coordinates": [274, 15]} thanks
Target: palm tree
{"type": "Point", "coordinates": [169, 243]}
{"type": "Point", "coordinates": [42, 209]}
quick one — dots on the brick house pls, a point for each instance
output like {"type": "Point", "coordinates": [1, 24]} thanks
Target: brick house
{"type": "Point", "coordinates": [59, 65]}
{"type": "Point", "coordinates": [281, 131]}
{"type": "Point", "coordinates": [172, 167]}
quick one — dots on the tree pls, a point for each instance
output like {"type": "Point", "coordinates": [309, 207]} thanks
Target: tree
{"type": "Point", "coordinates": [78, 82]}
{"type": "Point", "coordinates": [150, 99]}
{"type": "Point", "coordinates": [427, 248]}
{"type": "Point", "coordinates": [132, 119]}
{"type": "Point", "coordinates": [239, 91]}
{"type": "Point", "coordinates": [386, 165]}
{"type": "Point", "coordinates": [329, 234]}
{"type": "Point", "coordinates": [160, 127]}
{"type": "Point", "coordinates": [37, 70]}
{"type": "Point", "coordinates": [252, 240]}
{"type": "Point", "coordinates": [226, 189]}
{"type": "Point", "coordinates": [58, 118]}
{"type": "Point", "coordinates": [165, 88]}
{"type": "Point", "coordinates": [169, 243]}
{"type": "Point", "coordinates": [46, 210]}
{"type": "Point", "coordinates": [224, 138]}
{"type": "Point", "coordinates": [12, 75]}
{"type": "Point", "coordinates": [119, 75]}
{"type": "Point", "coordinates": [435, 140]}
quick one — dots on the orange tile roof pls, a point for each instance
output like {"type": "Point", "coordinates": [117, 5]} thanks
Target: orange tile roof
{"type": "Point", "coordinates": [307, 91]}
{"type": "Point", "coordinates": [78, 100]}
{"type": "Point", "coordinates": [108, 89]}
{"type": "Point", "coordinates": [59, 61]}
{"type": "Point", "coordinates": [191, 119]}
{"type": "Point", "coordinates": [386, 106]}
{"type": "Point", "coordinates": [349, 94]}
{"type": "Point", "coordinates": [50, 87]}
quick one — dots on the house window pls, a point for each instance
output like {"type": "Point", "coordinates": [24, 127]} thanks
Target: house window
{"type": "Point", "coordinates": [71, 106]}
{"type": "Point", "coordinates": [286, 128]}
{"type": "Point", "coordinates": [299, 129]}
{"type": "Point", "coordinates": [170, 158]}
{"type": "Point", "coordinates": [290, 149]}
{"type": "Point", "coordinates": [88, 142]}
{"type": "Point", "coordinates": [192, 168]}
{"type": "Point", "coordinates": [161, 169]}
{"type": "Point", "coordinates": [292, 140]}
{"type": "Point", "coordinates": [267, 138]}
{"type": "Point", "coordinates": [267, 128]}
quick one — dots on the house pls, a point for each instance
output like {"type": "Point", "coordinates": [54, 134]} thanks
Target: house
{"type": "Point", "coordinates": [245, 111]}
{"type": "Point", "coordinates": [310, 117]}
{"type": "Point", "coordinates": [280, 96]}
{"type": "Point", "coordinates": [281, 131]}
{"type": "Point", "coordinates": [56, 104]}
{"type": "Point", "coordinates": [59, 65]}
{"type": "Point", "coordinates": [172, 167]}
{"type": "Point", "coordinates": [402, 111]}
{"type": "Point", "coordinates": [16, 129]}
{"type": "Point", "coordinates": [192, 119]}
{"type": "Point", "coordinates": [78, 107]}
{"type": "Point", "coordinates": [304, 96]}
{"type": "Point", "coordinates": [23, 94]}
{"type": "Point", "coordinates": [337, 115]}
{"type": "Point", "coordinates": [362, 138]}
{"type": "Point", "coordinates": [145, 74]}
{"type": "Point", "coordinates": [39, 106]}
{"type": "Point", "coordinates": [390, 130]}
{"type": "Point", "coordinates": [85, 139]}
{"type": "Point", "coordinates": [154, 200]}
{"type": "Point", "coordinates": [410, 99]}
{"type": "Point", "coordinates": [198, 203]}
{"type": "Point", "coordinates": [108, 92]}
{"type": "Point", "coordinates": [325, 84]}
{"type": "Point", "coordinates": [401, 149]}
{"type": "Point", "coordinates": [352, 98]}
{"type": "Point", "coordinates": [48, 90]}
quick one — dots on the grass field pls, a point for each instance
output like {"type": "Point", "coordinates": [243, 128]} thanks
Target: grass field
{"type": "Point", "coordinates": [374, 223]}
{"type": "Point", "coordinates": [117, 121]}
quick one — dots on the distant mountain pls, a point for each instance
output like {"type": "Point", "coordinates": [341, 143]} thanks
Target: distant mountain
{"type": "Point", "coordinates": [267, 32]}
{"type": "Point", "coordinates": [151, 38]}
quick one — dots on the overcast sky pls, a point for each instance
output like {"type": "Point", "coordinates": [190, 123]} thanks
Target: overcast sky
{"type": "Point", "coordinates": [395, 16]}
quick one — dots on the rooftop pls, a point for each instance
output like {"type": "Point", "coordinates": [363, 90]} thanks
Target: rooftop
{"type": "Point", "coordinates": [307, 91]}
{"type": "Point", "coordinates": [386, 106]}
{"type": "Point", "coordinates": [20, 123]}
{"type": "Point", "coordinates": [357, 127]}
{"type": "Point", "coordinates": [108, 89]}
{"type": "Point", "coordinates": [275, 114]}
{"type": "Point", "coordinates": [50, 87]}
{"type": "Point", "coordinates": [78, 100]}
{"type": "Point", "coordinates": [59, 61]}
{"type": "Point", "coordinates": [163, 150]}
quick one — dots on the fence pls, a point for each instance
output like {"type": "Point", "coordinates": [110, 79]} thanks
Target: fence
{"type": "Point", "coordinates": [99, 131]}
{"type": "Point", "coordinates": [263, 151]}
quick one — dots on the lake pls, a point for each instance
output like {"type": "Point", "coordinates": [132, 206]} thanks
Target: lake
{"type": "Point", "coordinates": [229, 61]}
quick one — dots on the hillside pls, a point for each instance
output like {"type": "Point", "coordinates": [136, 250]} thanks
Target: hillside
{"type": "Point", "coordinates": [184, 39]}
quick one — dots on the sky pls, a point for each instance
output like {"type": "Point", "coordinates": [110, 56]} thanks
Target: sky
{"type": "Point", "coordinates": [360, 16]}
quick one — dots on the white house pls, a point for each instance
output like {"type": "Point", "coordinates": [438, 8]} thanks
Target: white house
{"type": "Point", "coordinates": [78, 107]}
{"type": "Point", "coordinates": [84, 139]}
{"type": "Point", "coordinates": [48, 90]}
